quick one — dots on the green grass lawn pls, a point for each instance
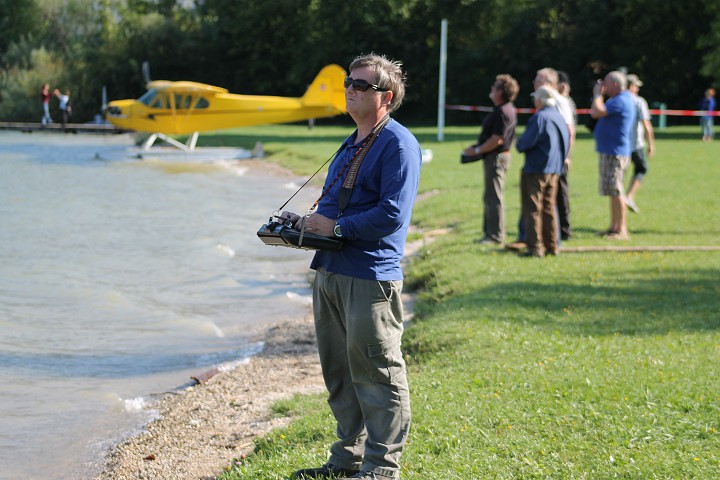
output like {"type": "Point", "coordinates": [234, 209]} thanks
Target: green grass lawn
{"type": "Point", "coordinates": [587, 365]}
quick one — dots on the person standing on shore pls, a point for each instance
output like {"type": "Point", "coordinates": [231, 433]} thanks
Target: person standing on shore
{"type": "Point", "coordinates": [563, 190]}
{"type": "Point", "coordinates": [545, 143]}
{"type": "Point", "coordinates": [494, 143]}
{"type": "Point", "coordinates": [549, 77]}
{"type": "Point", "coordinates": [616, 119]}
{"type": "Point", "coordinates": [356, 293]}
{"type": "Point", "coordinates": [641, 133]}
{"type": "Point", "coordinates": [706, 121]}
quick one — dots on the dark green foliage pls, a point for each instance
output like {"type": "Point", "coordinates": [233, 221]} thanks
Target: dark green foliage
{"type": "Point", "coordinates": [16, 22]}
{"type": "Point", "coordinates": [276, 47]}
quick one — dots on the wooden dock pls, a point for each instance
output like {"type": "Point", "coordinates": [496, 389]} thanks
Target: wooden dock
{"type": "Point", "coordinates": [58, 127]}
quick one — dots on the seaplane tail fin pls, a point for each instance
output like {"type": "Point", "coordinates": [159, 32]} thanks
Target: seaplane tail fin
{"type": "Point", "coordinates": [327, 89]}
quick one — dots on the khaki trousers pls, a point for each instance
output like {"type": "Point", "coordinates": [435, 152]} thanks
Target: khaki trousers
{"type": "Point", "coordinates": [496, 166]}
{"type": "Point", "coordinates": [359, 326]}
{"type": "Point", "coordinates": [538, 203]}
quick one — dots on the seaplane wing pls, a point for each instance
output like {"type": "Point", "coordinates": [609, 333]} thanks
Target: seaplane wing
{"type": "Point", "coordinates": [178, 108]}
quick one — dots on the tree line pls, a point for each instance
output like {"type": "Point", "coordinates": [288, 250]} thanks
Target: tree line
{"type": "Point", "coordinates": [275, 47]}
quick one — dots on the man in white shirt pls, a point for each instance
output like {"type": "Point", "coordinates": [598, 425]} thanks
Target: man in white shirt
{"type": "Point", "coordinates": [563, 192]}
{"type": "Point", "coordinates": [642, 132]}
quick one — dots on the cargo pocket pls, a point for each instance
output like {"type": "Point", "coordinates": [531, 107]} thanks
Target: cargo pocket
{"type": "Point", "coordinates": [386, 358]}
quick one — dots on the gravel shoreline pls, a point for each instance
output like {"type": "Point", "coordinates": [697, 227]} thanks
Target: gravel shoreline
{"type": "Point", "coordinates": [200, 431]}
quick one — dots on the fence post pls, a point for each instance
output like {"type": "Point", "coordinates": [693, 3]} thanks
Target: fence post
{"type": "Point", "coordinates": [660, 121]}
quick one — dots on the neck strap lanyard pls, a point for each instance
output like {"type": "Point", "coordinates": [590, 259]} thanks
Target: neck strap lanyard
{"type": "Point", "coordinates": [354, 166]}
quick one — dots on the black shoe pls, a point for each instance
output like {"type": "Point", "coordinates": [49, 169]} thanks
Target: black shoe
{"type": "Point", "coordinates": [326, 471]}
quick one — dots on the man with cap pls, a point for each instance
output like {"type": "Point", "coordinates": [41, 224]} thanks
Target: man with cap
{"type": "Point", "coordinates": [549, 77]}
{"type": "Point", "coordinates": [545, 143]}
{"type": "Point", "coordinates": [643, 132]}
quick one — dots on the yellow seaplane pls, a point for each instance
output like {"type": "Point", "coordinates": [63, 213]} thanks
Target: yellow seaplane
{"type": "Point", "coordinates": [187, 108]}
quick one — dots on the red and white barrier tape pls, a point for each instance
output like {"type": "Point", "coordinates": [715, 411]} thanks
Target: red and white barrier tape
{"type": "Point", "coordinates": [585, 111]}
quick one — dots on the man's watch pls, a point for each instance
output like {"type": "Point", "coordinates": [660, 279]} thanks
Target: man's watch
{"type": "Point", "coordinates": [337, 231]}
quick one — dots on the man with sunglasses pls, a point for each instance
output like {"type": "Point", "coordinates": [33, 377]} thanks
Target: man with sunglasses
{"type": "Point", "coordinates": [356, 293]}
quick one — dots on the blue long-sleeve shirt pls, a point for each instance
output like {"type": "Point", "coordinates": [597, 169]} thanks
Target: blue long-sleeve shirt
{"type": "Point", "coordinates": [545, 142]}
{"type": "Point", "coordinates": [375, 223]}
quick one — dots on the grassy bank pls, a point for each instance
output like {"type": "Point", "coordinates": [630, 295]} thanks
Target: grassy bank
{"type": "Point", "coordinates": [588, 365]}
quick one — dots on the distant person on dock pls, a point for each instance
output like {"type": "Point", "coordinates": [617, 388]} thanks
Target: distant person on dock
{"type": "Point", "coordinates": [65, 108]}
{"type": "Point", "coordinates": [45, 99]}
{"type": "Point", "coordinates": [706, 121]}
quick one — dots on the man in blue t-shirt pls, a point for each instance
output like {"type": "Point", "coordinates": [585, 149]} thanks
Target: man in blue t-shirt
{"type": "Point", "coordinates": [356, 293]}
{"type": "Point", "coordinates": [616, 119]}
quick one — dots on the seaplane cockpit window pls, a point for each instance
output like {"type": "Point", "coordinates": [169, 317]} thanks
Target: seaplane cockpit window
{"type": "Point", "coordinates": [160, 102]}
{"type": "Point", "coordinates": [148, 96]}
{"type": "Point", "coordinates": [183, 102]}
{"type": "Point", "coordinates": [202, 103]}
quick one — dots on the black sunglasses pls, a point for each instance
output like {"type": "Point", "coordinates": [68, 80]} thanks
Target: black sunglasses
{"type": "Point", "coordinates": [361, 85]}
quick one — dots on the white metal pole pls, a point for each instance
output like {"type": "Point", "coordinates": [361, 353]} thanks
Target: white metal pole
{"type": "Point", "coordinates": [441, 87]}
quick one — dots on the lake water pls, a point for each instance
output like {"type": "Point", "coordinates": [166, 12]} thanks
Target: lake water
{"type": "Point", "coordinates": [118, 280]}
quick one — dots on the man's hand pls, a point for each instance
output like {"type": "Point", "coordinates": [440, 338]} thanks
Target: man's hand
{"type": "Point", "coordinates": [597, 106]}
{"type": "Point", "coordinates": [472, 150]}
{"type": "Point", "coordinates": [294, 218]}
{"type": "Point", "coordinates": [599, 88]}
{"type": "Point", "coordinates": [319, 225]}
{"type": "Point", "coordinates": [314, 223]}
